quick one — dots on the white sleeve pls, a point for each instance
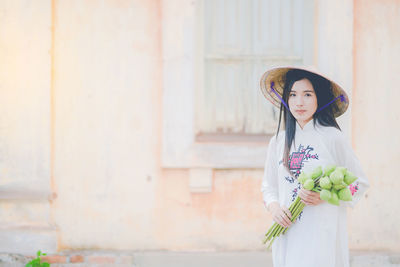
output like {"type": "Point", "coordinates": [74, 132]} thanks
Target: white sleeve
{"type": "Point", "coordinates": [269, 186]}
{"type": "Point", "coordinates": [345, 156]}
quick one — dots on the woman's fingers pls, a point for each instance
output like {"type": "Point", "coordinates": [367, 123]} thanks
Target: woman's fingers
{"type": "Point", "coordinates": [308, 193]}
{"type": "Point", "coordinates": [309, 197]}
{"type": "Point", "coordinates": [302, 195]}
{"type": "Point", "coordinates": [285, 220]}
{"type": "Point", "coordinates": [282, 219]}
{"type": "Point", "coordinates": [279, 220]}
{"type": "Point", "coordinates": [308, 200]}
{"type": "Point", "coordinates": [287, 211]}
{"type": "Point", "coordinates": [287, 215]}
{"type": "Point", "coordinates": [312, 201]}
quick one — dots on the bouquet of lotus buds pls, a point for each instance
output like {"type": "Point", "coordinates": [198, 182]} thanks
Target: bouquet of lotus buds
{"type": "Point", "coordinates": [332, 184]}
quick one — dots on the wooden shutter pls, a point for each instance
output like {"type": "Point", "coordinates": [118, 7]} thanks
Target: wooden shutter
{"type": "Point", "coordinates": [242, 39]}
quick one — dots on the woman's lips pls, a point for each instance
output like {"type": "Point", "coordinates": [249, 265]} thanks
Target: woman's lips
{"type": "Point", "coordinates": [300, 111]}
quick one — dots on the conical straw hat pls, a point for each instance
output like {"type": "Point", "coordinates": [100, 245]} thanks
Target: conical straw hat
{"type": "Point", "coordinates": [275, 78]}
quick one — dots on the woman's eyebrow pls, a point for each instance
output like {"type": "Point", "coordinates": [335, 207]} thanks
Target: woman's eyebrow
{"type": "Point", "coordinates": [303, 91]}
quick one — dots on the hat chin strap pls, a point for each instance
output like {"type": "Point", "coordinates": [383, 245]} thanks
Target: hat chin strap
{"type": "Point", "coordinates": [342, 99]}
{"type": "Point", "coordinates": [273, 90]}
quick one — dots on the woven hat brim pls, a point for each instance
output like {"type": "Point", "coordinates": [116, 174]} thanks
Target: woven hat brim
{"type": "Point", "coordinates": [277, 76]}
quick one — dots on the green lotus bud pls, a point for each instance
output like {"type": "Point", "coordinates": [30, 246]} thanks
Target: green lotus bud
{"type": "Point", "coordinates": [334, 200]}
{"type": "Point", "coordinates": [309, 184]}
{"type": "Point", "coordinates": [336, 177]}
{"type": "Point", "coordinates": [325, 195]}
{"type": "Point", "coordinates": [349, 177]}
{"type": "Point", "coordinates": [345, 194]}
{"type": "Point", "coordinates": [317, 172]}
{"type": "Point", "coordinates": [302, 177]}
{"type": "Point", "coordinates": [342, 169]}
{"type": "Point", "coordinates": [325, 182]}
{"type": "Point", "coordinates": [340, 186]}
{"type": "Point", "coordinates": [329, 169]}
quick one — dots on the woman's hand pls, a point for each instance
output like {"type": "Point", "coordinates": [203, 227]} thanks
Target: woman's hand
{"type": "Point", "coordinates": [309, 197]}
{"type": "Point", "coordinates": [281, 215]}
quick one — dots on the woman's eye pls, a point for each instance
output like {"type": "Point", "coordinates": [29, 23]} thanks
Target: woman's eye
{"type": "Point", "coordinates": [308, 94]}
{"type": "Point", "coordinates": [292, 95]}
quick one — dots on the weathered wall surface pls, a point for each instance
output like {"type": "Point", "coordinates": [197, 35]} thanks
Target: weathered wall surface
{"type": "Point", "coordinates": [376, 120]}
{"type": "Point", "coordinates": [81, 117]}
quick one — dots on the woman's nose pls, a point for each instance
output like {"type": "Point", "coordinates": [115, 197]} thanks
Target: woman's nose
{"type": "Point", "coordinates": [300, 101]}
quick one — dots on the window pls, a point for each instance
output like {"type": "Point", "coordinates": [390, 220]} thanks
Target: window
{"type": "Point", "coordinates": [184, 79]}
{"type": "Point", "coordinates": [242, 39]}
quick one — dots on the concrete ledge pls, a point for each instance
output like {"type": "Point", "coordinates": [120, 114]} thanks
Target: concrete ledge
{"type": "Point", "coordinates": [372, 259]}
{"type": "Point", "coordinates": [27, 240]}
{"type": "Point", "coordinates": [26, 195]}
{"type": "Point", "coordinates": [78, 258]}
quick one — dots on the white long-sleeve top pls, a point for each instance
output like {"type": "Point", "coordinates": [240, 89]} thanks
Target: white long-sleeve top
{"type": "Point", "coordinates": [320, 232]}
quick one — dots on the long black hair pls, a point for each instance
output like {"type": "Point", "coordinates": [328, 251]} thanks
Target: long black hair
{"type": "Point", "coordinates": [325, 117]}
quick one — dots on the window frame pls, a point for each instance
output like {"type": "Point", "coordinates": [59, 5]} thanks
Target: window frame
{"type": "Point", "coordinates": [182, 47]}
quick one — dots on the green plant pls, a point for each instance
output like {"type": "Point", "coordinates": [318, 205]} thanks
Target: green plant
{"type": "Point", "coordinates": [37, 261]}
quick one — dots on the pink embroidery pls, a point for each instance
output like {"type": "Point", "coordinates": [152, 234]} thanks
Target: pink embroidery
{"type": "Point", "coordinates": [353, 189]}
{"type": "Point", "coordinates": [296, 160]}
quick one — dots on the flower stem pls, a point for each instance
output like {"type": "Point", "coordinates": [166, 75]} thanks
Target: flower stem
{"type": "Point", "coordinates": [296, 215]}
{"type": "Point", "coordinates": [277, 228]}
{"type": "Point", "coordinates": [294, 205]}
{"type": "Point", "coordinates": [270, 229]}
{"type": "Point", "coordinates": [270, 243]}
{"type": "Point", "coordinates": [295, 210]}
{"type": "Point", "coordinates": [268, 234]}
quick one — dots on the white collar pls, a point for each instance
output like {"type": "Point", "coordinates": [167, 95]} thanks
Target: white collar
{"type": "Point", "coordinates": [308, 127]}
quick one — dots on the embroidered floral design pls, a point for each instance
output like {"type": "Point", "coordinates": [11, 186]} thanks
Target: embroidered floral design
{"type": "Point", "coordinates": [290, 179]}
{"type": "Point", "coordinates": [296, 163]}
{"type": "Point", "coordinates": [301, 213]}
{"type": "Point", "coordinates": [353, 188]}
{"type": "Point", "coordinates": [295, 191]}
{"type": "Point", "coordinates": [297, 159]}
{"type": "Point", "coordinates": [294, 195]}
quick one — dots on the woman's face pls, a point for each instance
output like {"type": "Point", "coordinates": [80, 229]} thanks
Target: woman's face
{"type": "Point", "coordinates": [302, 97]}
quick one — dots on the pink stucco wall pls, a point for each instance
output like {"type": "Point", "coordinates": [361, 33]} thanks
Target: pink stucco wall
{"type": "Point", "coordinates": [89, 111]}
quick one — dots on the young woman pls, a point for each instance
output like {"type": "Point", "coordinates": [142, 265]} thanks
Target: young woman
{"type": "Point", "coordinates": [311, 137]}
